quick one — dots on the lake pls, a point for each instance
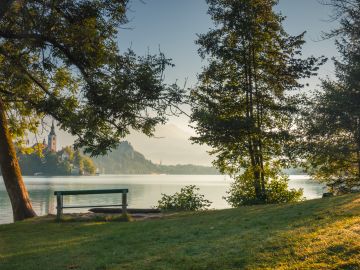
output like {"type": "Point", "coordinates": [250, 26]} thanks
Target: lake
{"type": "Point", "coordinates": [144, 190]}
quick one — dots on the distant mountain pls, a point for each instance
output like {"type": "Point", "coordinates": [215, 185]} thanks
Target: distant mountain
{"type": "Point", "coordinates": [125, 160]}
{"type": "Point", "coordinates": [171, 146]}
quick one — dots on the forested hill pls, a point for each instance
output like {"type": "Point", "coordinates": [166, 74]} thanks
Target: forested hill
{"type": "Point", "coordinates": [125, 160]}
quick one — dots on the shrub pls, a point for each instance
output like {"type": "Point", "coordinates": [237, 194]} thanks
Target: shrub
{"type": "Point", "coordinates": [185, 200]}
{"type": "Point", "coordinates": [242, 191]}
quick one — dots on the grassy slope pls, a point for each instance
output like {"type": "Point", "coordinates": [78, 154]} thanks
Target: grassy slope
{"type": "Point", "coordinates": [319, 234]}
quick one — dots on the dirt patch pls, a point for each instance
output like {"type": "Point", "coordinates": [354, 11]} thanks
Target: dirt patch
{"type": "Point", "coordinates": [89, 216]}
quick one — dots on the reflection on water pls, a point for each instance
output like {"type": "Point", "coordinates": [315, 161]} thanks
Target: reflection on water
{"type": "Point", "coordinates": [144, 190]}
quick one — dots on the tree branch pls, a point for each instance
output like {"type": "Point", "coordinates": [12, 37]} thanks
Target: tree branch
{"type": "Point", "coordinates": [50, 40]}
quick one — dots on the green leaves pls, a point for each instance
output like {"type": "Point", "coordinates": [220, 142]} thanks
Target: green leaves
{"type": "Point", "coordinates": [185, 200]}
{"type": "Point", "coordinates": [61, 59]}
{"type": "Point", "coordinates": [242, 190]}
{"type": "Point", "coordinates": [330, 145]}
{"type": "Point", "coordinates": [243, 107]}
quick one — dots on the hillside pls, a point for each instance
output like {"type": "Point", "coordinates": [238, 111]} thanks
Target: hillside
{"type": "Point", "coordinates": [317, 234]}
{"type": "Point", "coordinates": [125, 160]}
{"type": "Point", "coordinates": [171, 145]}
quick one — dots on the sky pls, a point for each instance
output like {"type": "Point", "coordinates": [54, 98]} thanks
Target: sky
{"type": "Point", "coordinates": [172, 26]}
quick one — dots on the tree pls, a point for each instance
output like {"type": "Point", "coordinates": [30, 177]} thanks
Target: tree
{"type": "Point", "coordinates": [332, 119]}
{"type": "Point", "coordinates": [89, 166]}
{"type": "Point", "coordinates": [53, 166]}
{"type": "Point", "coordinates": [243, 106]}
{"type": "Point", "coordinates": [60, 59]}
{"type": "Point", "coordinates": [78, 162]}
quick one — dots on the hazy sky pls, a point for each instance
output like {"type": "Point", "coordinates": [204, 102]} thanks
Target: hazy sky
{"type": "Point", "coordinates": [172, 25]}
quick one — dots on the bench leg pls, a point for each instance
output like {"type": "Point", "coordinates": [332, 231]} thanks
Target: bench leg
{"type": "Point", "coordinates": [124, 203]}
{"type": "Point", "coordinates": [59, 207]}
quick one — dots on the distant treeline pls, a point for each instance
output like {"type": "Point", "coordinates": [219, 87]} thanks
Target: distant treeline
{"type": "Point", "coordinates": [122, 160]}
{"type": "Point", "coordinates": [64, 162]}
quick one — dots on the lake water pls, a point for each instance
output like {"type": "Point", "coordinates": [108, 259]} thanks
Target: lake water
{"type": "Point", "coordinates": [144, 190]}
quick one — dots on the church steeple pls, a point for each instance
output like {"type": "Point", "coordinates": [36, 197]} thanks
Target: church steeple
{"type": "Point", "coordinates": [52, 132]}
{"type": "Point", "coordinates": [52, 138]}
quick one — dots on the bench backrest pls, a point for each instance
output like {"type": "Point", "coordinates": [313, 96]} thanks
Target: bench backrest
{"type": "Point", "coordinates": [86, 192]}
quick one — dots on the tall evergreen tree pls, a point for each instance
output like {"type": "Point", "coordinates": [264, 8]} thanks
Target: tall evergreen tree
{"type": "Point", "coordinates": [242, 107]}
{"type": "Point", "coordinates": [60, 58]}
{"type": "Point", "coordinates": [332, 122]}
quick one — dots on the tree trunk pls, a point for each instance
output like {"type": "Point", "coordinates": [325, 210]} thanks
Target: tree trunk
{"type": "Point", "coordinates": [358, 161]}
{"type": "Point", "coordinates": [357, 136]}
{"type": "Point", "coordinates": [11, 173]}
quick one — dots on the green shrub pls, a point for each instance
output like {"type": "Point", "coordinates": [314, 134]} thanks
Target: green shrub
{"type": "Point", "coordinates": [242, 191]}
{"type": "Point", "coordinates": [185, 200]}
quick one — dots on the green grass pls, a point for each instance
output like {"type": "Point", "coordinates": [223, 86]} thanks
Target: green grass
{"type": "Point", "coordinates": [318, 234]}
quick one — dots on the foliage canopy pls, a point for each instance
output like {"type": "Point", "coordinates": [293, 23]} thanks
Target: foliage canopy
{"type": "Point", "coordinates": [185, 200]}
{"type": "Point", "coordinates": [60, 58]}
{"type": "Point", "coordinates": [331, 124]}
{"type": "Point", "coordinates": [243, 107]}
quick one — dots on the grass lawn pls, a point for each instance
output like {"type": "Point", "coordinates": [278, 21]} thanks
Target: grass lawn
{"type": "Point", "coordinates": [317, 234]}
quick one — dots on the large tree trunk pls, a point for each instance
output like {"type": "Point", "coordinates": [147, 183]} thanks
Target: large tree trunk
{"type": "Point", "coordinates": [11, 173]}
{"type": "Point", "coordinates": [256, 173]}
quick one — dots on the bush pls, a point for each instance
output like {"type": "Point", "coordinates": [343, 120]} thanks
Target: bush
{"type": "Point", "coordinates": [185, 200]}
{"type": "Point", "coordinates": [242, 191]}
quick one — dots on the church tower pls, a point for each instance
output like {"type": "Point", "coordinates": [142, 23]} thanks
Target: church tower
{"type": "Point", "coordinates": [52, 139]}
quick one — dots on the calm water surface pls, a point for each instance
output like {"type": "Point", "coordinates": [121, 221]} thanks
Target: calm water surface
{"type": "Point", "coordinates": [144, 190]}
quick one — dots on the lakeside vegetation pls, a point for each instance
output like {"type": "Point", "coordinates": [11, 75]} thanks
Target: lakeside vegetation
{"type": "Point", "coordinates": [248, 105]}
{"type": "Point", "coordinates": [251, 105]}
{"type": "Point", "coordinates": [320, 234]}
{"type": "Point", "coordinates": [123, 159]}
{"type": "Point", "coordinates": [64, 162]}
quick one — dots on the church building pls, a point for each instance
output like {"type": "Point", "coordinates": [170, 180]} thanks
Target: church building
{"type": "Point", "coordinates": [52, 139]}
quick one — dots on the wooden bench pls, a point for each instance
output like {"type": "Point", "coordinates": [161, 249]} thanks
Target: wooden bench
{"type": "Point", "coordinates": [60, 202]}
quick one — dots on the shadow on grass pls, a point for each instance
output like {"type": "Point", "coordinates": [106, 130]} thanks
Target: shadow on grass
{"type": "Point", "coordinates": [94, 218]}
{"type": "Point", "coordinates": [253, 237]}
